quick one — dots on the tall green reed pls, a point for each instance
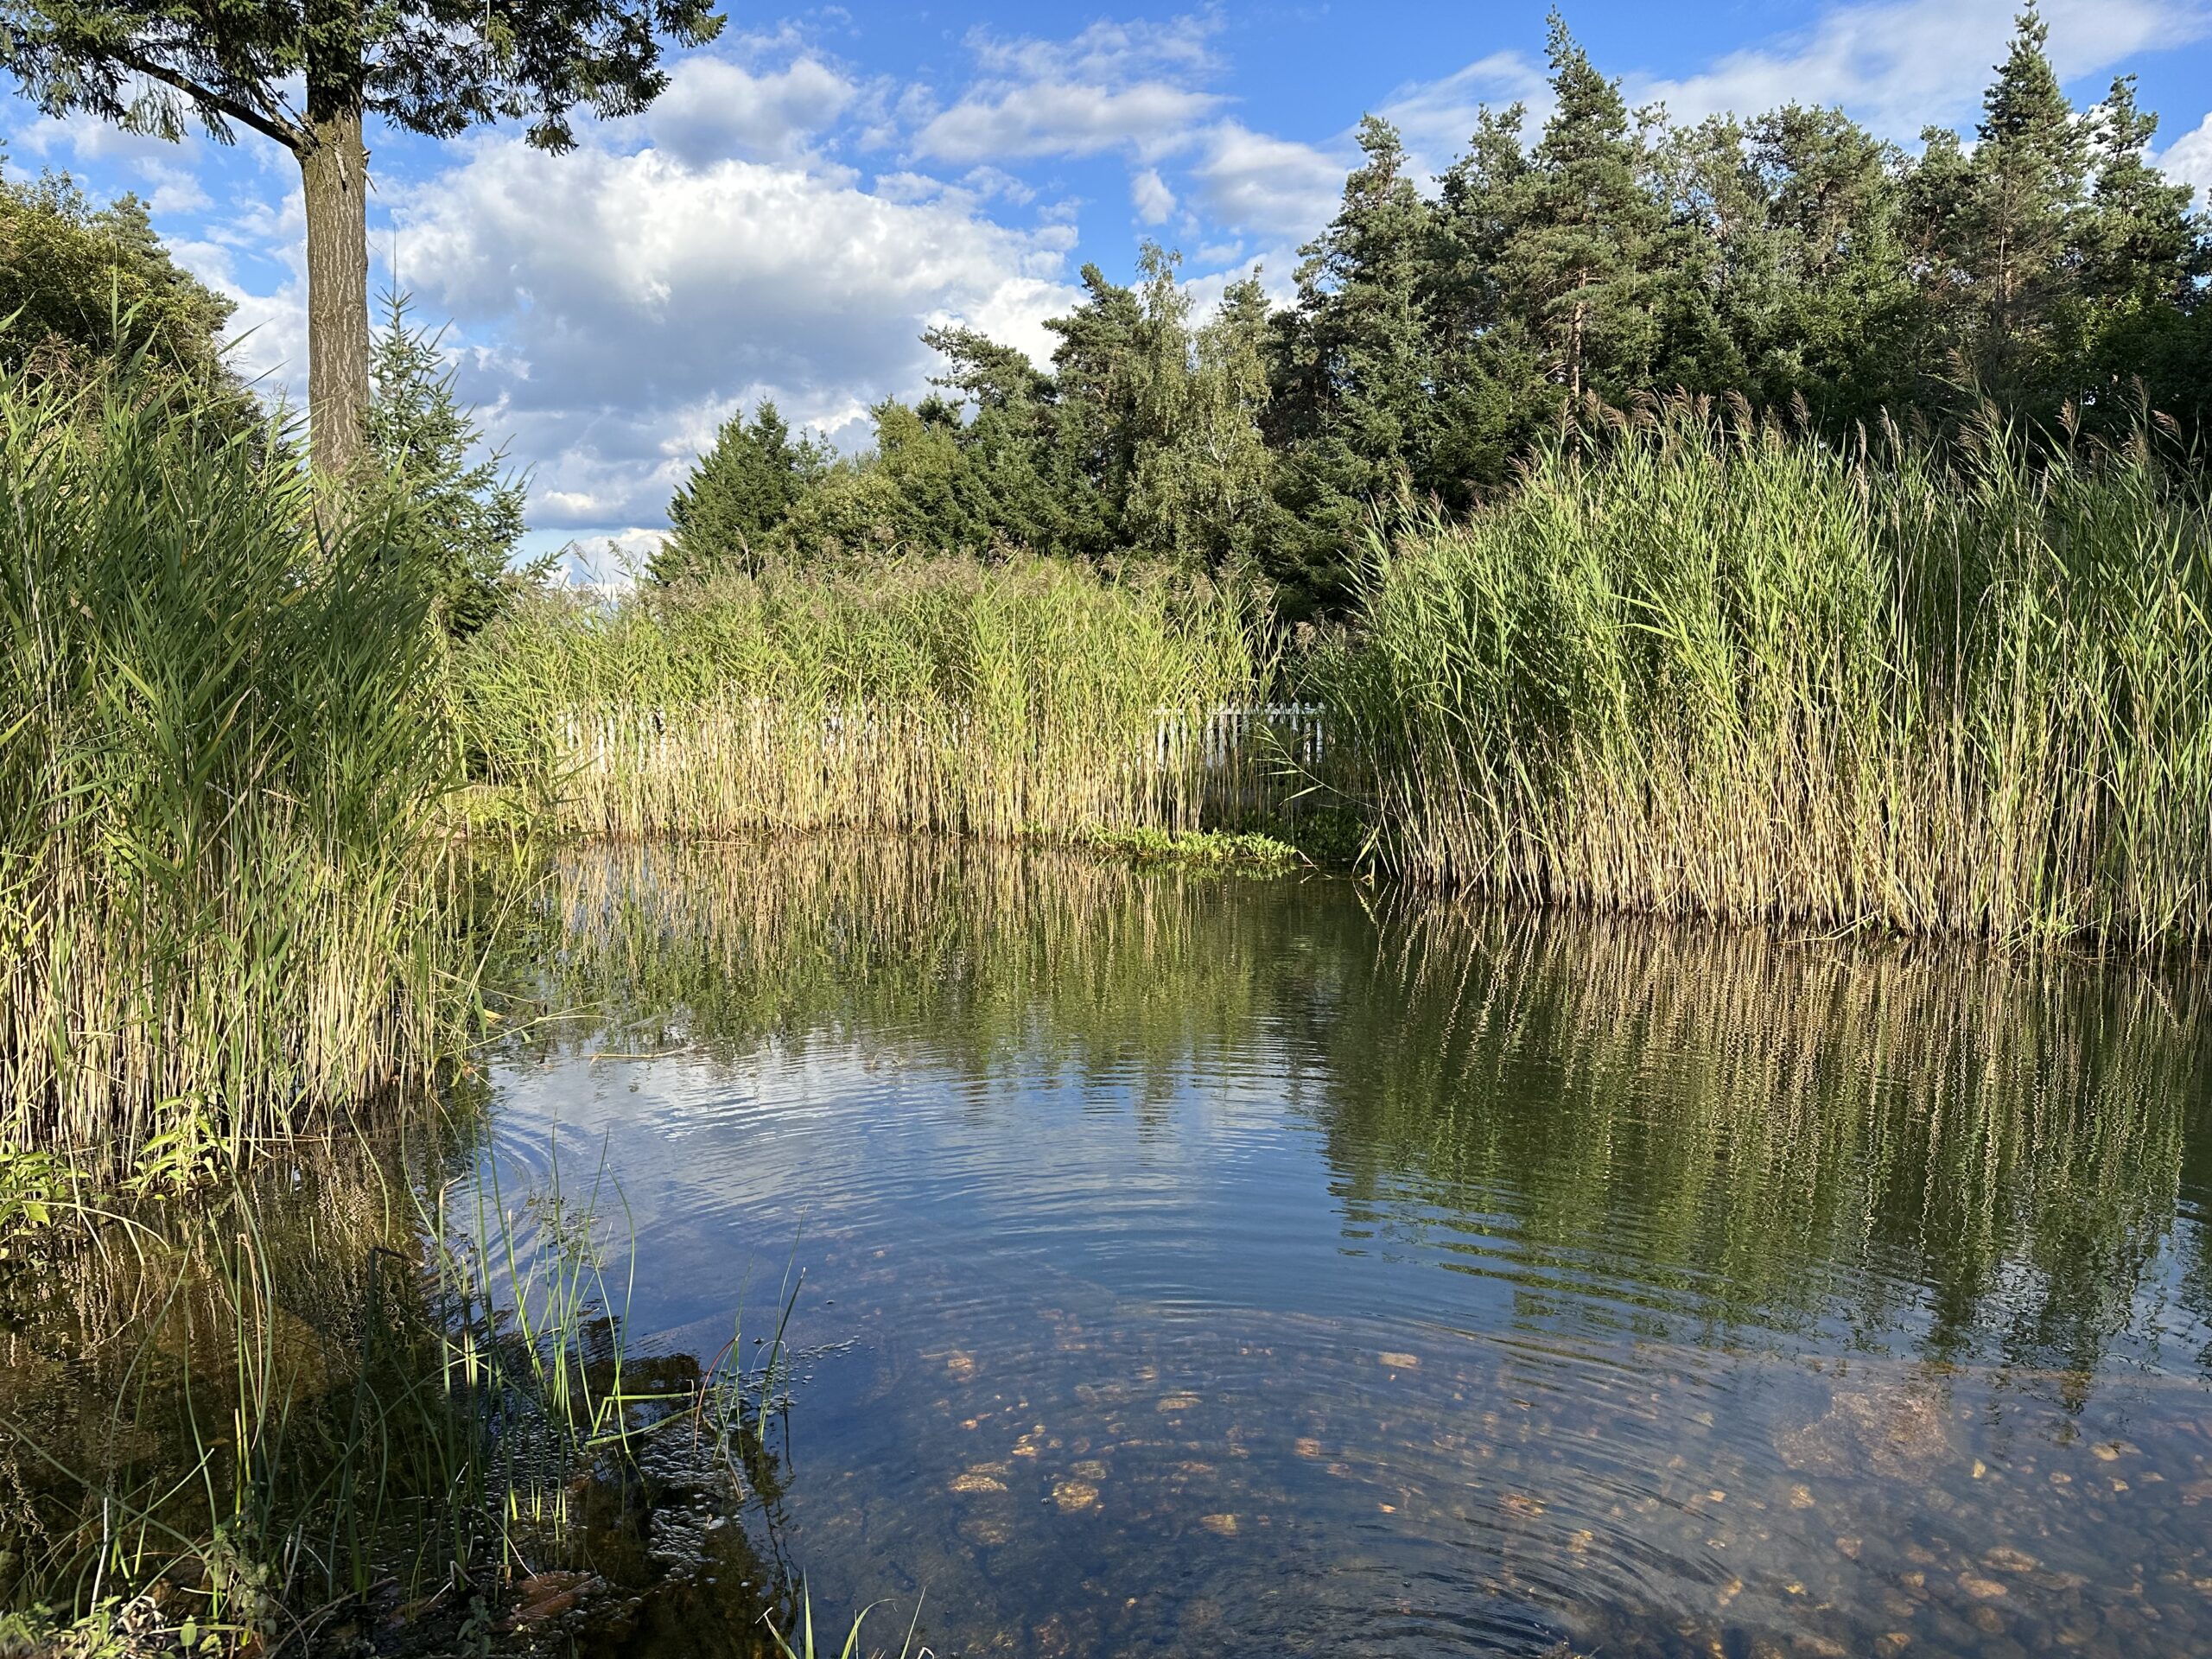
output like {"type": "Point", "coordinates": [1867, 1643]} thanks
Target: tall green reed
{"type": "Point", "coordinates": [946, 694]}
{"type": "Point", "coordinates": [222, 754]}
{"type": "Point", "coordinates": [1695, 665]}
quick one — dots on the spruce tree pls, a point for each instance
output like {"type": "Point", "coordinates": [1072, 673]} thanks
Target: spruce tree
{"type": "Point", "coordinates": [464, 515]}
{"type": "Point", "coordinates": [728, 513]}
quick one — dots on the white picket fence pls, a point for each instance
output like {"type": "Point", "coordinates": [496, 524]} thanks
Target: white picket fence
{"type": "Point", "coordinates": [1228, 736]}
{"type": "Point", "coordinates": [1229, 762]}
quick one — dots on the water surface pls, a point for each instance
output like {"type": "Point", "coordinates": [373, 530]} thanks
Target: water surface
{"type": "Point", "coordinates": [1203, 1264]}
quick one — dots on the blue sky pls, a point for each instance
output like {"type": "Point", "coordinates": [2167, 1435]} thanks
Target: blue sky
{"type": "Point", "coordinates": [819, 186]}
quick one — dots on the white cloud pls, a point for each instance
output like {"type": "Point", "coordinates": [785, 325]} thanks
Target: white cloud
{"type": "Point", "coordinates": [1899, 66]}
{"type": "Point", "coordinates": [1149, 194]}
{"type": "Point", "coordinates": [1063, 118]}
{"type": "Point", "coordinates": [2189, 158]}
{"type": "Point", "coordinates": [663, 294]}
{"type": "Point", "coordinates": [1250, 181]}
{"type": "Point", "coordinates": [1116, 86]}
{"type": "Point", "coordinates": [715, 108]}
{"type": "Point", "coordinates": [1104, 52]}
{"type": "Point", "coordinates": [1437, 118]}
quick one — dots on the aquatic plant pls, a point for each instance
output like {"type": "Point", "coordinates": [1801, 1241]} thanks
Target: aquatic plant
{"type": "Point", "coordinates": [220, 755]}
{"type": "Point", "coordinates": [941, 695]}
{"type": "Point", "coordinates": [800, 1644]}
{"type": "Point", "coordinates": [1206, 848]}
{"type": "Point", "coordinates": [1697, 664]}
{"type": "Point", "coordinates": [240, 1419]}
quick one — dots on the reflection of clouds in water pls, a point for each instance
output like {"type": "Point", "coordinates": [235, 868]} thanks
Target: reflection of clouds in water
{"type": "Point", "coordinates": [1796, 1294]}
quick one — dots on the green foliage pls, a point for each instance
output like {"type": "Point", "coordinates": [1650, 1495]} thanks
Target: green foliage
{"type": "Point", "coordinates": [421, 66]}
{"type": "Point", "coordinates": [79, 284]}
{"type": "Point", "coordinates": [1701, 666]}
{"type": "Point", "coordinates": [1438, 338]}
{"type": "Point", "coordinates": [731, 514]}
{"type": "Point", "coordinates": [461, 516]}
{"type": "Point", "coordinates": [222, 751]}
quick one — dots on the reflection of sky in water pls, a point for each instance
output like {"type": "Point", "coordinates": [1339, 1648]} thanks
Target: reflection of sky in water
{"type": "Point", "coordinates": [1268, 1276]}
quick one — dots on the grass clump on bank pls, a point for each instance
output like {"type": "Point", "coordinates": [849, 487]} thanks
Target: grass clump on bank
{"type": "Point", "coordinates": [220, 754]}
{"type": "Point", "coordinates": [1695, 665]}
{"type": "Point", "coordinates": [944, 694]}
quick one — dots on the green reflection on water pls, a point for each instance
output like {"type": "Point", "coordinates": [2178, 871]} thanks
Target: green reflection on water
{"type": "Point", "coordinates": [1899, 1251]}
{"type": "Point", "coordinates": [1724, 1128]}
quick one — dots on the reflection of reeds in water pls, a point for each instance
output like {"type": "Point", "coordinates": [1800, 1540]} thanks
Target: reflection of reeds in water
{"type": "Point", "coordinates": [1780, 1118]}
{"type": "Point", "coordinates": [968, 951]}
{"type": "Point", "coordinates": [1736, 1127]}
{"type": "Point", "coordinates": [245, 1417]}
{"type": "Point", "coordinates": [1030, 699]}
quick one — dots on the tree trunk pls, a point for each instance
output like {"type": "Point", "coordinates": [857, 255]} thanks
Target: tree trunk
{"type": "Point", "coordinates": [334, 173]}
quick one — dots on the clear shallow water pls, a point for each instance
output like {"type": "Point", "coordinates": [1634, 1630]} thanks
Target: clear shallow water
{"type": "Point", "coordinates": [1203, 1264]}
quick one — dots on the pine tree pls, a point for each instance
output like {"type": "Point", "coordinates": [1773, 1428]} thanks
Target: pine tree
{"type": "Point", "coordinates": [1351, 409]}
{"type": "Point", "coordinates": [1844, 331]}
{"type": "Point", "coordinates": [1493, 390]}
{"type": "Point", "coordinates": [1575, 264]}
{"type": "Point", "coordinates": [465, 516]}
{"type": "Point", "coordinates": [79, 283]}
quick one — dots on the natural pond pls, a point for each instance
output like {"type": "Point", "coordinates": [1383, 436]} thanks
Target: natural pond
{"type": "Point", "coordinates": [1202, 1264]}
{"type": "Point", "coordinates": [1196, 1264]}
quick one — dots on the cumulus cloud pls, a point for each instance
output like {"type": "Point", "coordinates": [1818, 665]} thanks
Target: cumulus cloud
{"type": "Point", "coordinates": [2189, 159]}
{"type": "Point", "coordinates": [665, 293]}
{"type": "Point", "coordinates": [1150, 196]}
{"type": "Point", "coordinates": [715, 108]}
{"type": "Point", "coordinates": [1253, 182]}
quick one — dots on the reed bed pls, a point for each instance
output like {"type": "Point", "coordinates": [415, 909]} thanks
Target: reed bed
{"type": "Point", "coordinates": [219, 759]}
{"type": "Point", "coordinates": [1696, 665]}
{"type": "Point", "coordinates": [1026, 699]}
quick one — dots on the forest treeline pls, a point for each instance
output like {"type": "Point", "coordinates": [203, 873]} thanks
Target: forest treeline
{"type": "Point", "coordinates": [2040, 263]}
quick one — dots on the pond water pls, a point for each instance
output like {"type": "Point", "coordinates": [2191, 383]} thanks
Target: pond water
{"type": "Point", "coordinates": [1196, 1264]}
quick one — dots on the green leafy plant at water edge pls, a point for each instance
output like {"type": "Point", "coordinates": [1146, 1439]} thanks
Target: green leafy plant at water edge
{"type": "Point", "coordinates": [799, 1644]}
{"type": "Point", "coordinates": [1697, 664]}
{"type": "Point", "coordinates": [223, 753]}
{"type": "Point", "coordinates": [1214, 849]}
